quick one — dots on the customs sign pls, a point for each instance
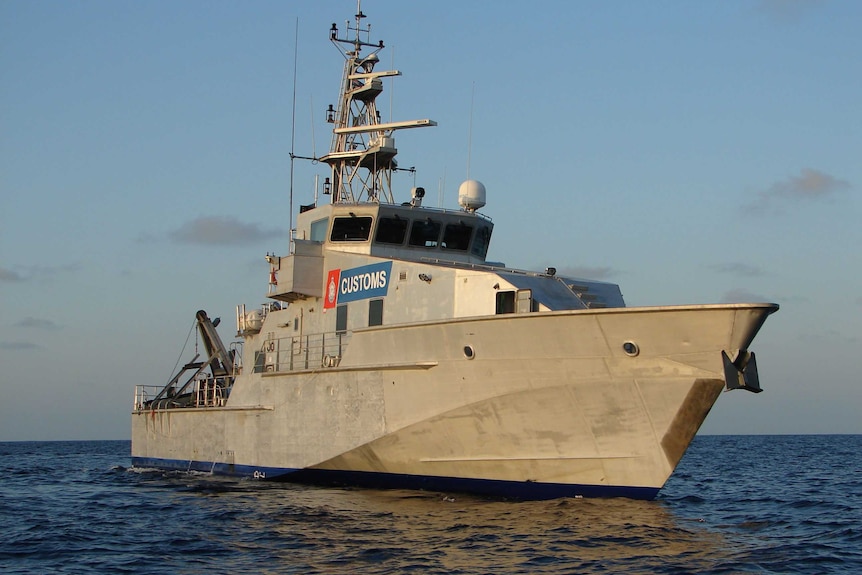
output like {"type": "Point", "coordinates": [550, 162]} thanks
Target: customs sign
{"type": "Point", "coordinates": [364, 282]}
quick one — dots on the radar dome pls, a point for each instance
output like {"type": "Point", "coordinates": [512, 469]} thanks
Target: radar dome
{"type": "Point", "coordinates": [471, 195]}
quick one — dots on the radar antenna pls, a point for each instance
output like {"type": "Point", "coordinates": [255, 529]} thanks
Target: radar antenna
{"type": "Point", "coordinates": [362, 152]}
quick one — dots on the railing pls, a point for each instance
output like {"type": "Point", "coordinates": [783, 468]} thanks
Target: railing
{"type": "Point", "coordinates": [251, 322]}
{"type": "Point", "coordinates": [488, 267]}
{"type": "Point", "coordinates": [313, 351]}
{"type": "Point", "coordinates": [294, 353]}
{"type": "Point", "coordinates": [145, 393]}
{"type": "Point", "coordinates": [236, 350]}
{"type": "Point", "coordinates": [208, 392]}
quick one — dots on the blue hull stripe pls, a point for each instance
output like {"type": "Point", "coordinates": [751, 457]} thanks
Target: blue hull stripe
{"type": "Point", "coordinates": [525, 490]}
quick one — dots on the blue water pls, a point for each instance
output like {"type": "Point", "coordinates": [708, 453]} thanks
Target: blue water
{"type": "Point", "coordinates": [736, 504]}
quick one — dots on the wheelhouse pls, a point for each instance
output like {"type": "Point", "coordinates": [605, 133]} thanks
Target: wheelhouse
{"type": "Point", "coordinates": [403, 232]}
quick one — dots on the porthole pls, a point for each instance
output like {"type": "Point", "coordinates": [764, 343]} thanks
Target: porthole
{"type": "Point", "coordinates": [468, 352]}
{"type": "Point", "coordinates": [631, 348]}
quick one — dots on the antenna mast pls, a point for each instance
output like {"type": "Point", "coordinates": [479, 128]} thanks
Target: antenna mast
{"type": "Point", "coordinates": [292, 231]}
{"type": "Point", "coordinates": [362, 152]}
{"type": "Point", "coordinates": [470, 130]}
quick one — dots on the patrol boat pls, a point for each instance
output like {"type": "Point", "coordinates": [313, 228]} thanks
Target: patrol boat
{"type": "Point", "coordinates": [392, 354]}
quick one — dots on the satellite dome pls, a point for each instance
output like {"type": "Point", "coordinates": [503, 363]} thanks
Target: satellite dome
{"type": "Point", "coordinates": [471, 195]}
{"type": "Point", "coordinates": [369, 62]}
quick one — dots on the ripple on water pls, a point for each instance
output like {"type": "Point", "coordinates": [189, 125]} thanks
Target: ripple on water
{"type": "Point", "coordinates": [736, 505]}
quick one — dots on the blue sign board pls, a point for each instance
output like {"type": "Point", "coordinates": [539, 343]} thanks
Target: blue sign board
{"type": "Point", "coordinates": [358, 283]}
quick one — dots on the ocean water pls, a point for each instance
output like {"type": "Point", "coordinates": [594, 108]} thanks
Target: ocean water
{"type": "Point", "coordinates": [736, 504]}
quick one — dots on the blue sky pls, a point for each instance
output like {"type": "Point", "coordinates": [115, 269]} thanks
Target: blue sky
{"type": "Point", "coordinates": [693, 152]}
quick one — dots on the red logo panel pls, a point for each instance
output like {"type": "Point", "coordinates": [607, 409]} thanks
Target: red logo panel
{"type": "Point", "coordinates": [330, 290]}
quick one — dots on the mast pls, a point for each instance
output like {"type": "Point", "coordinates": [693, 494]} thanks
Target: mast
{"type": "Point", "coordinates": [362, 152]}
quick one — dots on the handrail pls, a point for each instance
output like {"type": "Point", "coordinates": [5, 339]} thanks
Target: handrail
{"type": "Point", "coordinates": [207, 392]}
{"type": "Point", "coordinates": [490, 267]}
{"type": "Point", "coordinates": [283, 354]}
{"type": "Point", "coordinates": [145, 393]}
{"type": "Point", "coordinates": [301, 352]}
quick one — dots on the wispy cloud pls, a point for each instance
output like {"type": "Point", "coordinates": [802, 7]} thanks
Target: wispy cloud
{"type": "Point", "coordinates": [18, 345]}
{"type": "Point", "coordinates": [146, 238]}
{"type": "Point", "coordinates": [221, 231]}
{"type": "Point", "coordinates": [809, 185]}
{"type": "Point", "coordinates": [588, 272]}
{"type": "Point", "coordinates": [37, 323]}
{"type": "Point", "coordinates": [10, 276]}
{"type": "Point", "coordinates": [738, 269]}
{"type": "Point", "coordinates": [28, 273]}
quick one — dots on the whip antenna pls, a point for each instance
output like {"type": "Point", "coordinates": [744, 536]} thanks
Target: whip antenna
{"type": "Point", "coordinates": [470, 132]}
{"type": "Point", "coordinates": [293, 132]}
{"type": "Point", "coordinates": [313, 147]}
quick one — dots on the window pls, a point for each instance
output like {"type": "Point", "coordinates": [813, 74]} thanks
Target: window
{"type": "Point", "coordinates": [352, 229]}
{"type": "Point", "coordinates": [480, 244]}
{"type": "Point", "coordinates": [341, 319]}
{"type": "Point", "coordinates": [505, 302]}
{"type": "Point", "coordinates": [457, 237]}
{"type": "Point", "coordinates": [425, 233]}
{"type": "Point", "coordinates": [259, 359]}
{"type": "Point", "coordinates": [375, 312]}
{"type": "Point", "coordinates": [391, 231]}
{"type": "Point", "coordinates": [318, 230]}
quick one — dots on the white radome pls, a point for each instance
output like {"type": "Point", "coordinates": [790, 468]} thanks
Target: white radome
{"type": "Point", "coordinates": [471, 195]}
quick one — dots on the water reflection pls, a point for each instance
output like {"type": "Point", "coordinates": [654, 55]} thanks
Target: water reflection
{"type": "Point", "coordinates": [330, 530]}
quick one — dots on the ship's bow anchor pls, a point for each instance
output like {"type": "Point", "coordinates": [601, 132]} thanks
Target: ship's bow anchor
{"type": "Point", "coordinates": [741, 373]}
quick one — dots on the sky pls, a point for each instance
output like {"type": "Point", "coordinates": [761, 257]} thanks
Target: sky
{"type": "Point", "coordinates": [693, 152]}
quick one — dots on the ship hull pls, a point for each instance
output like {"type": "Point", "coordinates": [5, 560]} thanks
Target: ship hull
{"type": "Point", "coordinates": [524, 405]}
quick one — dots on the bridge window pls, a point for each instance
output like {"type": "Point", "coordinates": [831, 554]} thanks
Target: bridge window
{"type": "Point", "coordinates": [457, 237]}
{"type": "Point", "coordinates": [391, 231]}
{"type": "Point", "coordinates": [352, 229]}
{"type": "Point", "coordinates": [425, 233]}
{"type": "Point", "coordinates": [481, 242]}
{"type": "Point", "coordinates": [318, 230]}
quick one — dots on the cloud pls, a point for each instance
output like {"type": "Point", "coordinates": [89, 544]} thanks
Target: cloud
{"type": "Point", "coordinates": [37, 323]}
{"type": "Point", "coordinates": [10, 276]}
{"type": "Point", "coordinates": [588, 272]}
{"type": "Point", "coordinates": [146, 238]}
{"type": "Point", "coordinates": [28, 273]}
{"type": "Point", "coordinates": [17, 345]}
{"type": "Point", "coordinates": [738, 269]}
{"type": "Point", "coordinates": [221, 231]}
{"type": "Point", "coordinates": [809, 185]}
{"type": "Point", "coordinates": [741, 295]}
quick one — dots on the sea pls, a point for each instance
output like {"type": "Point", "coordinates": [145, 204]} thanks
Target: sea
{"type": "Point", "coordinates": [736, 504]}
